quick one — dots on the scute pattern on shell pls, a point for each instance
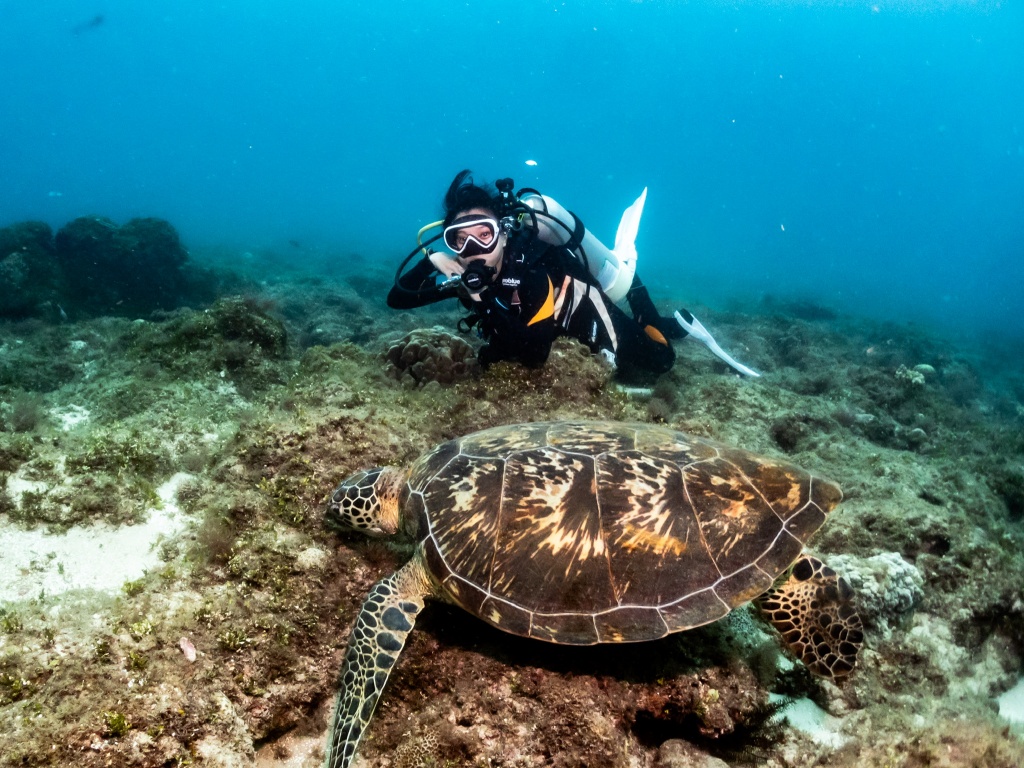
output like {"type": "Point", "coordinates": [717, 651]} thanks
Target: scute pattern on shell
{"type": "Point", "coordinates": [586, 532]}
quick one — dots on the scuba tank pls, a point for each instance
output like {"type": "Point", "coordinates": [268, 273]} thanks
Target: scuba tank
{"type": "Point", "coordinates": [612, 268]}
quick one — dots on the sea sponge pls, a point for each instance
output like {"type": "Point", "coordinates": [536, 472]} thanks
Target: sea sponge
{"type": "Point", "coordinates": [431, 354]}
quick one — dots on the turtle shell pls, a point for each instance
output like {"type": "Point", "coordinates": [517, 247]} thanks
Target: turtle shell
{"type": "Point", "coordinates": [597, 532]}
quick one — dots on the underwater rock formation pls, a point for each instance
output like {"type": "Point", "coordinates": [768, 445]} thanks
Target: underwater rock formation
{"type": "Point", "coordinates": [28, 270]}
{"type": "Point", "coordinates": [93, 267]}
{"type": "Point", "coordinates": [236, 338]}
{"type": "Point", "coordinates": [127, 270]}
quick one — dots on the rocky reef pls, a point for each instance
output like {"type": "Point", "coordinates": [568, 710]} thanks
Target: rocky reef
{"type": "Point", "coordinates": [29, 274]}
{"type": "Point", "coordinates": [170, 596]}
{"type": "Point", "coordinates": [92, 267]}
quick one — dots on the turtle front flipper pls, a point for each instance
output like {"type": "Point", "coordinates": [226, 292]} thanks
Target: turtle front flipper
{"type": "Point", "coordinates": [814, 612]}
{"type": "Point", "coordinates": [387, 618]}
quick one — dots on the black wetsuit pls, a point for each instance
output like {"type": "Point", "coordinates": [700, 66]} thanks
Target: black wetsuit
{"type": "Point", "coordinates": [548, 293]}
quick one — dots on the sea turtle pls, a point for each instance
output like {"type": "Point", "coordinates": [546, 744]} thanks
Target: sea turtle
{"type": "Point", "coordinates": [590, 532]}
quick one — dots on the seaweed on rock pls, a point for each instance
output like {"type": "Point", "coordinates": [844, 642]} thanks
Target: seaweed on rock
{"type": "Point", "coordinates": [237, 337]}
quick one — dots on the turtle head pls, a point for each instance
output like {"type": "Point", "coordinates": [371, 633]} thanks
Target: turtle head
{"type": "Point", "coordinates": [368, 502]}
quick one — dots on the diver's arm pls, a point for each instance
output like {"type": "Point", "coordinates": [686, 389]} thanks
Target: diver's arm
{"type": "Point", "coordinates": [418, 287]}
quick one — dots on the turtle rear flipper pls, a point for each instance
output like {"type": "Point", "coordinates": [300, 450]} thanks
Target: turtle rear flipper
{"type": "Point", "coordinates": [813, 611]}
{"type": "Point", "coordinates": [388, 616]}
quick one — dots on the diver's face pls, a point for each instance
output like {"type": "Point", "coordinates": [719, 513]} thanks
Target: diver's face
{"type": "Point", "coordinates": [483, 234]}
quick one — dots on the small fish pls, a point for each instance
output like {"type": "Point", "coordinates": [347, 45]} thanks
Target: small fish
{"type": "Point", "coordinates": [63, 314]}
{"type": "Point", "coordinates": [85, 26]}
{"type": "Point", "coordinates": [188, 649]}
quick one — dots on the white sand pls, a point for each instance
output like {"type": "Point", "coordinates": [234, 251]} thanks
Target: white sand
{"type": "Point", "coordinates": [70, 416]}
{"type": "Point", "coordinates": [98, 557]}
{"type": "Point", "coordinates": [291, 751]}
{"type": "Point", "coordinates": [806, 716]}
{"type": "Point", "coordinates": [1011, 706]}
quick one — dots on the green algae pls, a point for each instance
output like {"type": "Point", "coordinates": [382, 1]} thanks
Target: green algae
{"type": "Point", "coordinates": [235, 339]}
{"type": "Point", "coordinates": [10, 622]}
{"type": "Point", "coordinates": [14, 451]}
{"type": "Point", "coordinates": [116, 723]}
{"type": "Point", "coordinates": [119, 452]}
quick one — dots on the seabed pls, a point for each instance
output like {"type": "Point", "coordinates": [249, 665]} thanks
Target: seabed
{"type": "Point", "coordinates": [169, 595]}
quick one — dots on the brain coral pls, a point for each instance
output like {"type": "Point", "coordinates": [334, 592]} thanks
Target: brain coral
{"type": "Point", "coordinates": [431, 354]}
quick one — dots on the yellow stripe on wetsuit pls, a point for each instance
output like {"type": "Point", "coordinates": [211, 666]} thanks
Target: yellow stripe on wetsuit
{"type": "Point", "coordinates": [548, 309]}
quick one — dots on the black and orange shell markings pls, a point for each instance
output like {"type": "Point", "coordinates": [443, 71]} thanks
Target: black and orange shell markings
{"type": "Point", "coordinates": [589, 532]}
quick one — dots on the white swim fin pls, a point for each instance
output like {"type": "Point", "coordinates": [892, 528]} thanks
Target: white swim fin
{"type": "Point", "coordinates": [629, 225]}
{"type": "Point", "coordinates": [693, 326]}
{"type": "Point", "coordinates": [617, 273]}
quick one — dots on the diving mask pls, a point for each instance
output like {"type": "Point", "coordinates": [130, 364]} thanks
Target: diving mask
{"type": "Point", "coordinates": [473, 235]}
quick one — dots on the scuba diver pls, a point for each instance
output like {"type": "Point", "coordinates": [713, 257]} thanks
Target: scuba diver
{"type": "Point", "coordinates": [528, 271]}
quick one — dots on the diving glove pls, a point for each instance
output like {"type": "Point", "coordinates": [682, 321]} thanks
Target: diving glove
{"type": "Point", "coordinates": [693, 326]}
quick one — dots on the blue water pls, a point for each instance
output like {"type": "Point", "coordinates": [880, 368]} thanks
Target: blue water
{"type": "Point", "coordinates": [867, 156]}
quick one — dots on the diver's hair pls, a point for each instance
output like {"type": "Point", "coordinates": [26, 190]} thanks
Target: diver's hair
{"type": "Point", "coordinates": [464, 194]}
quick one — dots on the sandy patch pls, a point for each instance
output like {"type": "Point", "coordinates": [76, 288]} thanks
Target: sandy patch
{"type": "Point", "coordinates": [806, 716]}
{"type": "Point", "coordinates": [70, 416]}
{"type": "Point", "coordinates": [1011, 706]}
{"type": "Point", "coordinates": [99, 557]}
{"type": "Point", "coordinates": [291, 751]}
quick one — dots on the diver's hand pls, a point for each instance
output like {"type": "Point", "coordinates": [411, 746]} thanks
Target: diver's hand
{"type": "Point", "coordinates": [445, 264]}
